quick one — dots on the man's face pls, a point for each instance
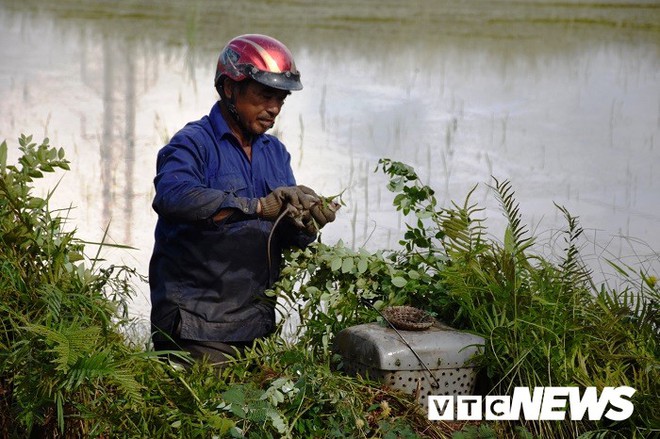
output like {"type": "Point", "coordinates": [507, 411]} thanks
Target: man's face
{"type": "Point", "coordinates": [258, 106]}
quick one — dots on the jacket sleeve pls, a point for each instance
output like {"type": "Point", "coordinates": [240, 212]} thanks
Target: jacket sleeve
{"type": "Point", "coordinates": [182, 192]}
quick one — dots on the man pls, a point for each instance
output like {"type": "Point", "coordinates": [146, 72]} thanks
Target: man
{"type": "Point", "coordinates": [221, 186]}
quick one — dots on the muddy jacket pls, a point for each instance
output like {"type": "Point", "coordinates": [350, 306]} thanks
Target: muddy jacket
{"type": "Point", "coordinates": [208, 278]}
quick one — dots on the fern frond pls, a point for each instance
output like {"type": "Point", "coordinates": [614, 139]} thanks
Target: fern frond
{"type": "Point", "coordinates": [574, 271]}
{"type": "Point", "coordinates": [96, 365]}
{"type": "Point", "coordinates": [127, 383]}
{"type": "Point", "coordinates": [52, 297]}
{"type": "Point", "coordinates": [68, 343]}
{"type": "Point", "coordinates": [463, 229]}
{"type": "Point", "coordinates": [516, 239]}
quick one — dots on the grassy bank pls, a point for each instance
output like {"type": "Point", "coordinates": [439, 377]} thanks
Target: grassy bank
{"type": "Point", "coordinates": [66, 370]}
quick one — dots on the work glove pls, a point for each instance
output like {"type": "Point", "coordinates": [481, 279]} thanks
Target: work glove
{"type": "Point", "coordinates": [286, 197]}
{"type": "Point", "coordinates": [320, 212]}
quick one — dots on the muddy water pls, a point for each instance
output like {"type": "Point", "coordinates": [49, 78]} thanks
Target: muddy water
{"type": "Point", "coordinates": [561, 99]}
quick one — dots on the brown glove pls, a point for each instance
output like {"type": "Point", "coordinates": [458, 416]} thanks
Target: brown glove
{"type": "Point", "coordinates": [324, 213]}
{"type": "Point", "coordinates": [321, 212]}
{"type": "Point", "coordinates": [274, 203]}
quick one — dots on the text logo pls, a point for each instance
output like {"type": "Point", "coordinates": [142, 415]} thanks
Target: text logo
{"type": "Point", "coordinates": [543, 404]}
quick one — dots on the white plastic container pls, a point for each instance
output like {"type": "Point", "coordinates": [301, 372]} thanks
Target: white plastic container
{"type": "Point", "coordinates": [377, 352]}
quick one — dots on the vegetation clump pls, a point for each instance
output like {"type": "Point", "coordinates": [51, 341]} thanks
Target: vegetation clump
{"type": "Point", "coordinates": [68, 370]}
{"type": "Point", "coordinates": [545, 322]}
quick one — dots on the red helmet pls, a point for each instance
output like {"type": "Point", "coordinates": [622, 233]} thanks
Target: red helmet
{"type": "Point", "coordinates": [261, 58]}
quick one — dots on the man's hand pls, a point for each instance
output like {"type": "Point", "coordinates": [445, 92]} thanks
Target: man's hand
{"type": "Point", "coordinates": [324, 213]}
{"type": "Point", "coordinates": [222, 214]}
{"type": "Point", "coordinates": [320, 213]}
{"type": "Point", "coordinates": [274, 203]}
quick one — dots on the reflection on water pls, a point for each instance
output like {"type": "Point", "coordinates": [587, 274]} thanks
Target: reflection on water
{"type": "Point", "coordinates": [118, 140]}
{"type": "Point", "coordinates": [562, 99]}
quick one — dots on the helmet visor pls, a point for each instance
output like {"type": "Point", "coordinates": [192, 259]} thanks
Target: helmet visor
{"type": "Point", "coordinates": [282, 81]}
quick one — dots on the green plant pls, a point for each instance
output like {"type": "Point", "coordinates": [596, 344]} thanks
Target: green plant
{"type": "Point", "coordinates": [67, 370]}
{"type": "Point", "coordinates": [544, 321]}
{"type": "Point", "coordinates": [57, 320]}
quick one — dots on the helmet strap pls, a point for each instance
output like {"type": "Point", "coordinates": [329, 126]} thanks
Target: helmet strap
{"type": "Point", "coordinates": [230, 105]}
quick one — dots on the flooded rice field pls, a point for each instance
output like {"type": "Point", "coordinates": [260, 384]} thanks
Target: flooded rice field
{"type": "Point", "coordinates": [560, 98]}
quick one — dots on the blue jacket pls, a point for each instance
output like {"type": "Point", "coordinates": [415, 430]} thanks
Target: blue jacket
{"type": "Point", "coordinates": [208, 278]}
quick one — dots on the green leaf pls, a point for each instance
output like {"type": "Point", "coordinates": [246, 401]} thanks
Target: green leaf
{"type": "Point", "coordinates": [509, 242]}
{"type": "Point", "coordinates": [336, 264]}
{"type": "Point", "coordinates": [413, 275]}
{"type": "Point", "coordinates": [362, 265]}
{"type": "Point", "coordinates": [234, 395]}
{"type": "Point", "coordinates": [423, 214]}
{"type": "Point", "coordinates": [35, 203]}
{"type": "Point", "coordinates": [399, 281]}
{"type": "Point", "coordinates": [220, 423]}
{"type": "Point", "coordinates": [347, 265]}
{"type": "Point", "coordinates": [3, 156]}
{"type": "Point", "coordinates": [278, 422]}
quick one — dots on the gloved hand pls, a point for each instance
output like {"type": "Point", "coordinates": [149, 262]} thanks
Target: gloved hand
{"type": "Point", "coordinates": [320, 212]}
{"type": "Point", "coordinates": [324, 213]}
{"type": "Point", "coordinates": [274, 203]}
